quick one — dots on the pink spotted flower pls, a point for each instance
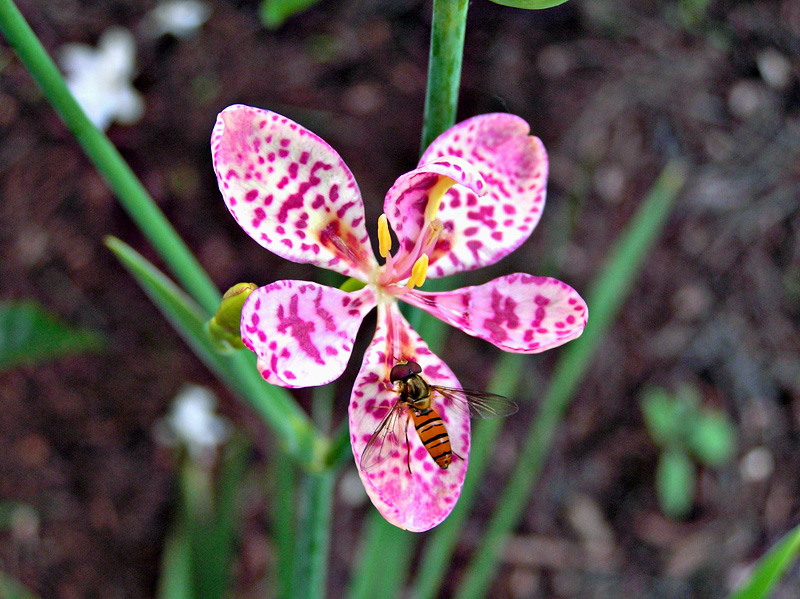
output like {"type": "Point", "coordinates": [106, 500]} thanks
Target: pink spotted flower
{"type": "Point", "coordinates": [476, 195]}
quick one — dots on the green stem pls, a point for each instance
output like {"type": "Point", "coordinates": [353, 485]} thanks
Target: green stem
{"type": "Point", "coordinates": [605, 300]}
{"type": "Point", "coordinates": [314, 519]}
{"type": "Point", "coordinates": [284, 496]}
{"type": "Point", "coordinates": [384, 562]}
{"type": "Point", "coordinates": [381, 542]}
{"type": "Point", "coordinates": [444, 67]}
{"type": "Point", "coordinates": [438, 552]}
{"type": "Point", "coordinates": [131, 193]}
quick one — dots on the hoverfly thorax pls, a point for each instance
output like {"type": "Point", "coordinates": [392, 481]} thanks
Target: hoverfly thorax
{"type": "Point", "coordinates": [411, 387]}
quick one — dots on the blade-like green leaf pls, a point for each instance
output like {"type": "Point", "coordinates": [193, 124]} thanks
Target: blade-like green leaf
{"type": "Point", "coordinates": [13, 589]}
{"type": "Point", "coordinates": [664, 417]}
{"type": "Point", "coordinates": [30, 334]}
{"type": "Point", "coordinates": [273, 13]}
{"type": "Point", "coordinates": [530, 4]}
{"type": "Point", "coordinates": [132, 195]}
{"type": "Point", "coordinates": [381, 544]}
{"type": "Point", "coordinates": [675, 483]}
{"type": "Point", "coordinates": [605, 301]}
{"type": "Point", "coordinates": [713, 438]}
{"type": "Point", "coordinates": [771, 568]}
{"type": "Point", "coordinates": [441, 543]}
{"type": "Point", "coordinates": [213, 533]}
{"type": "Point", "coordinates": [175, 577]}
{"type": "Point", "coordinates": [238, 370]}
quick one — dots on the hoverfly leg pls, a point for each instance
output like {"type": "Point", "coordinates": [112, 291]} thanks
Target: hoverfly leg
{"type": "Point", "coordinates": [408, 448]}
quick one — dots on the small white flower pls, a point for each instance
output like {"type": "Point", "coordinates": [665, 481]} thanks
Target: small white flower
{"type": "Point", "coordinates": [181, 18]}
{"type": "Point", "coordinates": [100, 79]}
{"type": "Point", "coordinates": [193, 423]}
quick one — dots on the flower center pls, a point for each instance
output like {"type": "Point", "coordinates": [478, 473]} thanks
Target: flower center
{"type": "Point", "coordinates": [414, 264]}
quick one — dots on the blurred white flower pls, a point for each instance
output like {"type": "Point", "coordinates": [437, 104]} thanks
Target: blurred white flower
{"type": "Point", "coordinates": [193, 423]}
{"type": "Point", "coordinates": [181, 18]}
{"type": "Point", "coordinates": [100, 79]}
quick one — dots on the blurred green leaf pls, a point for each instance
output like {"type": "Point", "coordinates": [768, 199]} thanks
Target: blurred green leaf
{"type": "Point", "coordinates": [237, 370]}
{"type": "Point", "coordinates": [689, 395]}
{"type": "Point", "coordinates": [664, 416]}
{"type": "Point", "coordinates": [13, 589]}
{"type": "Point", "coordinates": [530, 4]}
{"type": "Point", "coordinates": [769, 570]}
{"type": "Point", "coordinates": [692, 12]}
{"type": "Point", "coordinates": [30, 334]}
{"type": "Point", "coordinates": [675, 483]}
{"type": "Point", "coordinates": [175, 577]}
{"type": "Point", "coordinates": [712, 438]}
{"type": "Point", "coordinates": [273, 13]}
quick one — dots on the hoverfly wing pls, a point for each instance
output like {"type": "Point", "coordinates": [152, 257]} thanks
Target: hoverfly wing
{"type": "Point", "coordinates": [383, 441]}
{"type": "Point", "coordinates": [479, 403]}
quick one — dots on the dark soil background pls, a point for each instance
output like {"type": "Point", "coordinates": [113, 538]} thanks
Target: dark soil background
{"type": "Point", "coordinates": [614, 88]}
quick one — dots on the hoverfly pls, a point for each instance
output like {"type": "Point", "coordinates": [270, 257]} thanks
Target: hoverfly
{"type": "Point", "coordinates": [416, 399]}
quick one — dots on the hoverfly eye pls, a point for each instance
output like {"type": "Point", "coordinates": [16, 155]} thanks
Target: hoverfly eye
{"type": "Point", "coordinates": [400, 372]}
{"type": "Point", "coordinates": [414, 367]}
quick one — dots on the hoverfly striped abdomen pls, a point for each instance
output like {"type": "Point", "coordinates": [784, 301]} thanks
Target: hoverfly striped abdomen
{"type": "Point", "coordinates": [433, 434]}
{"type": "Point", "coordinates": [415, 402]}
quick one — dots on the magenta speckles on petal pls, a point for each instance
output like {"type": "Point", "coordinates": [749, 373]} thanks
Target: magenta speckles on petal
{"type": "Point", "coordinates": [271, 171]}
{"type": "Point", "coordinates": [421, 499]}
{"type": "Point", "coordinates": [514, 167]}
{"type": "Point", "coordinates": [406, 201]}
{"type": "Point", "coordinates": [517, 313]}
{"type": "Point", "coordinates": [300, 332]}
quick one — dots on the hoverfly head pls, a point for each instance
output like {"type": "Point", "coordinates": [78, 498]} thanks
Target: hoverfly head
{"type": "Point", "coordinates": [404, 370]}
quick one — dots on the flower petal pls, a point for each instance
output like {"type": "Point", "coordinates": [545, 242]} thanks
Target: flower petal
{"type": "Point", "coordinates": [406, 202]}
{"type": "Point", "coordinates": [303, 332]}
{"type": "Point", "coordinates": [420, 499]}
{"type": "Point", "coordinates": [290, 191]}
{"type": "Point", "coordinates": [517, 313]}
{"type": "Point", "coordinates": [481, 230]}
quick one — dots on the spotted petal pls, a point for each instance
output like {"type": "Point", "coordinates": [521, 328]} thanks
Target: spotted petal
{"type": "Point", "coordinates": [517, 313]}
{"type": "Point", "coordinates": [411, 202]}
{"type": "Point", "coordinates": [479, 231]}
{"type": "Point", "coordinates": [420, 499]}
{"type": "Point", "coordinates": [303, 333]}
{"type": "Point", "coordinates": [290, 191]}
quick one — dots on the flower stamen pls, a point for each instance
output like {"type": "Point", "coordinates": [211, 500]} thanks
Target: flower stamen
{"type": "Point", "coordinates": [418, 272]}
{"type": "Point", "coordinates": [435, 196]}
{"type": "Point", "coordinates": [384, 236]}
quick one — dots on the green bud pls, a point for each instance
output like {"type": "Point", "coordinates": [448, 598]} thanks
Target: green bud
{"type": "Point", "coordinates": [224, 325]}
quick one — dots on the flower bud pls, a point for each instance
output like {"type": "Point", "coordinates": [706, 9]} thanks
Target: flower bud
{"type": "Point", "coordinates": [224, 325]}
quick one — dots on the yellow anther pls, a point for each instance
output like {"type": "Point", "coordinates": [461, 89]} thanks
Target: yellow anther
{"type": "Point", "coordinates": [418, 272]}
{"type": "Point", "coordinates": [384, 236]}
{"type": "Point", "coordinates": [435, 195]}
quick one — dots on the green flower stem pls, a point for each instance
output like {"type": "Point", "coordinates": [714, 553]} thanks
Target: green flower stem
{"type": "Point", "coordinates": [605, 300]}
{"type": "Point", "coordinates": [283, 504]}
{"type": "Point", "coordinates": [129, 190]}
{"type": "Point", "coordinates": [384, 562]}
{"type": "Point", "coordinates": [175, 573]}
{"type": "Point", "coordinates": [314, 518]}
{"type": "Point", "coordinates": [441, 100]}
{"type": "Point", "coordinates": [444, 67]}
{"type": "Point", "coordinates": [214, 534]}
{"type": "Point", "coordinates": [438, 551]}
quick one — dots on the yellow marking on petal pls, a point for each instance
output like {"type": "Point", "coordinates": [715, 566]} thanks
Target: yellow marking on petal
{"type": "Point", "coordinates": [384, 236]}
{"type": "Point", "coordinates": [435, 195]}
{"type": "Point", "coordinates": [418, 272]}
